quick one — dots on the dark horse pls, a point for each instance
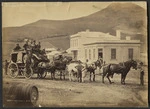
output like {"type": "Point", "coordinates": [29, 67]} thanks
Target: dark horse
{"type": "Point", "coordinates": [93, 67]}
{"type": "Point", "coordinates": [121, 68]}
{"type": "Point", "coordinates": [38, 65]}
{"type": "Point", "coordinates": [59, 65]}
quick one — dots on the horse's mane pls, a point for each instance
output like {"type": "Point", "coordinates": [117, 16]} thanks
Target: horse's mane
{"type": "Point", "coordinates": [126, 63]}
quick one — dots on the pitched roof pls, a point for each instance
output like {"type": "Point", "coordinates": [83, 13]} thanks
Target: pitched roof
{"type": "Point", "coordinates": [93, 34]}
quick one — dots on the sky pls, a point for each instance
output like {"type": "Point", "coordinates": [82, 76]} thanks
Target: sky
{"type": "Point", "coordinates": [21, 13]}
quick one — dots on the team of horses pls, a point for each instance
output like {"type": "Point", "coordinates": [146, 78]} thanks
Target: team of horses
{"type": "Point", "coordinates": [67, 65]}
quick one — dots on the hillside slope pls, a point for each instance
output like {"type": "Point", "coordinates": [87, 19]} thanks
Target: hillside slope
{"type": "Point", "coordinates": [128, 17]}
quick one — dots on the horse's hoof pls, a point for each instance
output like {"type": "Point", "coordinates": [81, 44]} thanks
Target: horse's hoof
{"type": "Point", "coordinates": [112, 82]}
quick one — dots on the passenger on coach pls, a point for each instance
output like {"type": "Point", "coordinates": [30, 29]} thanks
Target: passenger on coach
{"type": "Point", "coordinates": [17, 47]}
{"type": "Point", "coordinates": [39, 46]}
{"type": "Point", "coordinates": [25, 46]}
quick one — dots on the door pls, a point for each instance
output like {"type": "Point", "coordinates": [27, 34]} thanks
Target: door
{"type": "Point", "coordinates": [75, 54]}
{"type": "Point", "coordinates": [100, 53]}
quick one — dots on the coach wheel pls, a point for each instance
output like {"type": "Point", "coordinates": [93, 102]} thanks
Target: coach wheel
{"type": "Point", "coordinates": [13, 70]}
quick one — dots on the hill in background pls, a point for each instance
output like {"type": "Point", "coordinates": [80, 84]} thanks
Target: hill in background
{"type": "Point", "coordinates": [128, 17]}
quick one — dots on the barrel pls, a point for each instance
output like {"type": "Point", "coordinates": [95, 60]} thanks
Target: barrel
{"type": "Point", "coordinates": [19, 94]}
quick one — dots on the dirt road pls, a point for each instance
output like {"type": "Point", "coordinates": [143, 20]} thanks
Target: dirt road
{"type": "Point", "coordinates": [63, 93]}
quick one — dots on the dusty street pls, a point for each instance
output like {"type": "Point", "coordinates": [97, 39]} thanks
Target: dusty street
{"type": "Point", "coordinates": [63, 93]}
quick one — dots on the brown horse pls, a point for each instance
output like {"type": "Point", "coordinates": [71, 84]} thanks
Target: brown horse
{"type": "Point", "coordinates": [60, 65]}
{"type": "Point", "coordinates": [91, 69]}
{"type": "Point", "coordinates": [121, 68]}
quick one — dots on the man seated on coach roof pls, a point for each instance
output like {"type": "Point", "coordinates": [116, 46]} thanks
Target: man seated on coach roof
{"type": "Point", "coordinates": [33, 46]}
{"type": "Point", "coordinates": [17, 48]}
{"type": "Point", "coordinates": [26, 46]}
{"type": "Point", "coordinates": [38, 46]}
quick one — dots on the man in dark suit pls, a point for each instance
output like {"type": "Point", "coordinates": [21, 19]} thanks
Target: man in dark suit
{"type": "Point", "coordinates": [141, 74]}
{"type": "Point", "coordinates": [17, 47]}
{"type": "Point", "coordinates": [6, 66]}
{"type": "Point", "coordinates": [79, 68]}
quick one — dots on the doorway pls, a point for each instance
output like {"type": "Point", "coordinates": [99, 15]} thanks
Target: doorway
{"type": "Point", "coordinates": [100, 53]}
{"type": "Point", "coordinates": [75, 54]}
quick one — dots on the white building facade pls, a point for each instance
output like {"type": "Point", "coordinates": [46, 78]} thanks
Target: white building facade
{"type": "Point", "coordinates": [93, 45]}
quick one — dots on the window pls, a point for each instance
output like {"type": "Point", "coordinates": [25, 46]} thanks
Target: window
{"type": "Point", "coordinates": [113, 53]}
{"type": "Point", "coordinates": [89, 54]}
{"type": "Point", "coordinates": [75, 41]}
{"type": "Point", "coordinates": [71, 44]}
{"type": "Point", "coordinates": [100, 53]}
{"type": "Point", "coordinates": [93, 53]}
{"type": "Point", "coordinates": [130, 53]}
{"type": "Point", "coordinates": [85, 53]}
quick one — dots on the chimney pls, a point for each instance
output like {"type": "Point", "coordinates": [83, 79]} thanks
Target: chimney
{"type": "Point", "coordinates": [128, 38]}
{"type": "Point", "coordinates": [118, 33]}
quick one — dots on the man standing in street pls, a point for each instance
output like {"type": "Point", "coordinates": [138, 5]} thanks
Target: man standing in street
{"type": "Point", "coordinates": [6, 66]}
{"type": "Point", "coordinates": [141, 74]}
{"type": "Point", "coordinates": [79, 68]}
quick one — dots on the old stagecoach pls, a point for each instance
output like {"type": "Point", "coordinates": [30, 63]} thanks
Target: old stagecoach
{"type": "Point", "coordinates": [17, 65]}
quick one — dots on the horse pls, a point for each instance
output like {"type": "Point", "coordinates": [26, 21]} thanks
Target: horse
{"type": "Point", "coordinates": [90, 68]}
{"type": "Point", "coordinates": [38, 64]}
{"type": "Point", "coordinates": [60, 65]}
{"type": "Point", "coordinates": [121, 68]}
{"type": "Point", "coordinates": [51, 68]}
{"type": "Point", "coordinates": [74, 71]}
{"type": "Point", "coordinates": [99, 63]}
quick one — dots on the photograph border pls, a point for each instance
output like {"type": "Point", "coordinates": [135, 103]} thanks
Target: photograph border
{"type": "Point", "coordinates": [148, 21]}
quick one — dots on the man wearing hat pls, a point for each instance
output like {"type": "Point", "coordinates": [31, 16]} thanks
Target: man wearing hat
{"type": "Point", "coordinates": [25, 46]}
{"type": "Point", "coordinates": [6, 66]}
{"type": "Point", "coordinates": [141, 74]}
{"type": "Point", "coordinates": [79, 68]}
{"type": "Point", "coordinates": [17, 47]}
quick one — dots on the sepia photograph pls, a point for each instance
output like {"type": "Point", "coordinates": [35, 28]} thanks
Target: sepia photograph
{"type": "Point", "coordinates": [74, 54]}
